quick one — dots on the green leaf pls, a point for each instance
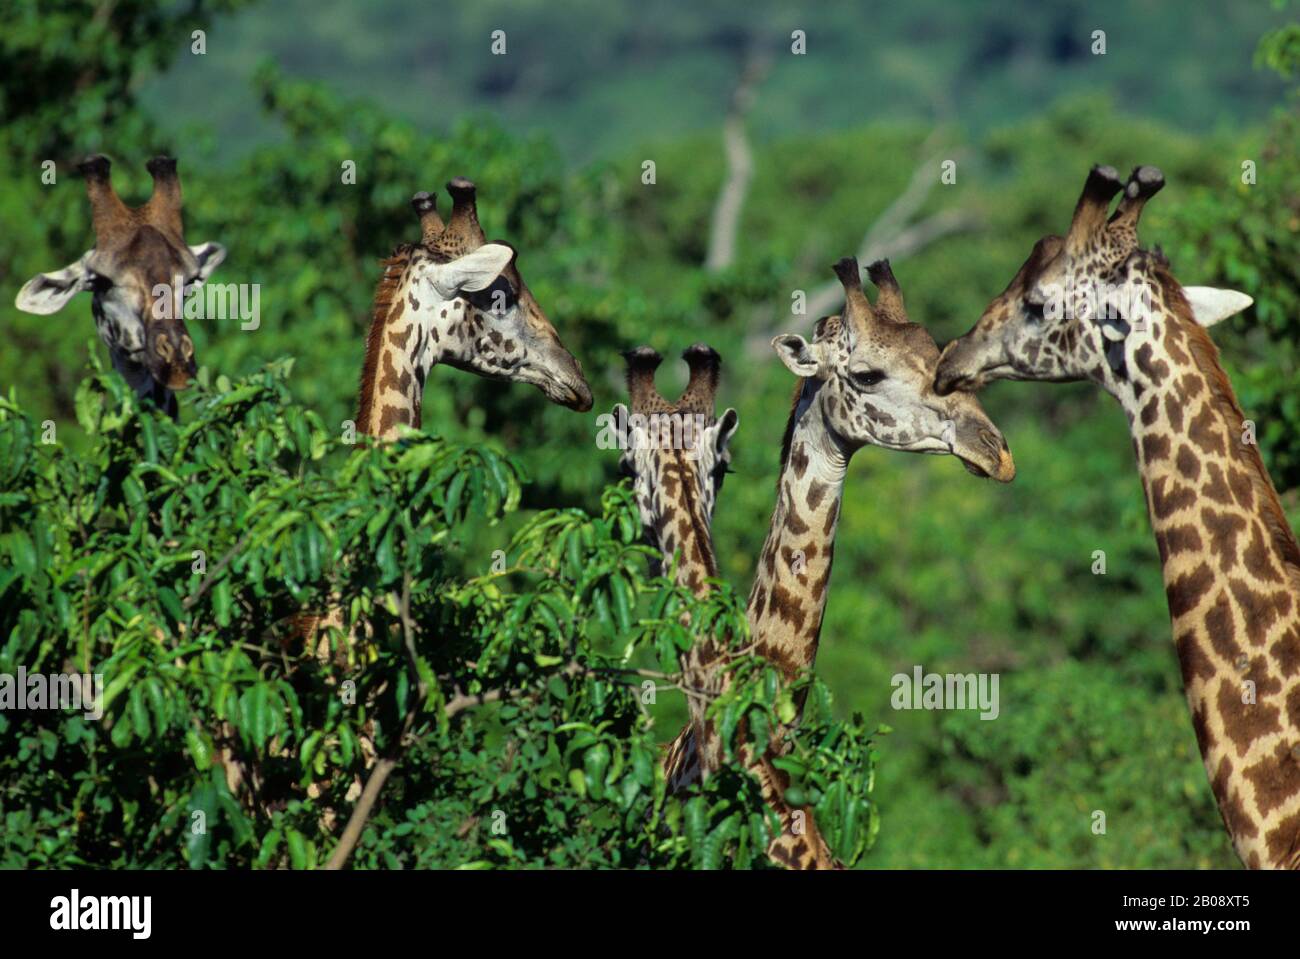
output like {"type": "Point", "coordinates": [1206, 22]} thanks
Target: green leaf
{"type": "Point", "coordinates": [200, 749]}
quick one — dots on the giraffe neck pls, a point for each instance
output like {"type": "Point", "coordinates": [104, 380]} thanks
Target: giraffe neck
{"type": "Point", "coordinates": [683, 526]}
{"type": "Point", "coordinates": [410, 332]}
{"type": "Point", "coordinates": [1232, 577]}
{"type": "Point", "coordinates": [788, 598]}
{"type": "Point", "coordinates": [390, 394]}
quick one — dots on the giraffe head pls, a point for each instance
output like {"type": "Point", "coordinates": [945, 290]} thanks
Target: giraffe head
{"type": "Point", "coordinates": [138, 274]}
{"type": "Point", "coordinates": [475, 312]}
{"type": "Point", "coordinates": [676, 454]}
{"type": "Point", "coordinates": [871, 372]}
{"type": "Point", "coordinates": [1078, 306]}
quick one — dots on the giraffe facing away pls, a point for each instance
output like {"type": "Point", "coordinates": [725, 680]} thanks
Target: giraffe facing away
{"type": "Point", "coordinates": [677, 459]}
{"type": "Point", "coordinates": [1093, 306]}
{"type": "Point", "coordinates": [138, 273]}
{"type": "Point", "coordinates": [676, 481]}
{"type": "Point", "coordinates": [454, 298]}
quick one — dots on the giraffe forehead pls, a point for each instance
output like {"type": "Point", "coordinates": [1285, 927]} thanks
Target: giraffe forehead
{"type": "Point", "coordinates": [905, 345]}
{"type": "Point", "coordinates": [146, 256]}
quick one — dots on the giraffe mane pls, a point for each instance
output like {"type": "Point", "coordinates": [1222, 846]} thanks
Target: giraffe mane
{"type": "Point", "coordinates": [1206, 357]}
{"type": "Point", "coordinates": [389, 281]}
{"type": "Point", "coordinates": [789, 428]}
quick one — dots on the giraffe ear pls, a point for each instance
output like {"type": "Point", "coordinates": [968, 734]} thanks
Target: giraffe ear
{"type": "Point", "coordinates": [209, 256]}
{"type": "Point", "coordinates": [47, 293]}
{"type": "Point", "coordinates": [799, 358]}
{"type": "Point", "coordinates": [1211, 305]}
{"type": "Point", "coordinates": [472, 272]}
{"type": "Point", "coordinates": [726, 428]}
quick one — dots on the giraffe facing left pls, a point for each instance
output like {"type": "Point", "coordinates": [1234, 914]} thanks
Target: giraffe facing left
{"type": "Point", "coordinates": [138, 274]}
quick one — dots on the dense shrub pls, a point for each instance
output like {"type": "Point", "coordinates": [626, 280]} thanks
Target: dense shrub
{"type": "Point", "coordinates": [173, 559]}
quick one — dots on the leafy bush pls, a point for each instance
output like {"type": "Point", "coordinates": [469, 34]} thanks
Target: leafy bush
{"type": "Point", "coordinates": [174, 559]}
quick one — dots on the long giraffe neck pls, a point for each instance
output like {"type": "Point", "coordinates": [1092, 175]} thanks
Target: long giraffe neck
{"type": "Point", "coordinates": [683, 528]}
{"type": "Point", "coordinates": [788, 598]}
{"type": "Point", "coordinates": [1232, 576]}
{"type": "Point", "coordinates": [391, 387]}
{"type": "Point", "coordinates": [398, 358]}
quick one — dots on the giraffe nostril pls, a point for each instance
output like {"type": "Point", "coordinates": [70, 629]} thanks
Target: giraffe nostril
{"type": "Point", "coordinates": [994, 443]}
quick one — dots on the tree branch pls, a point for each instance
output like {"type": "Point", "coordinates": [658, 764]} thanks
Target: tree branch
{"type": "Point", "coordinates": [213, 573]}
{"type": "Point", "coordinates": [888, 237]}
{"type": "Point", "coordinates": [384, 767]}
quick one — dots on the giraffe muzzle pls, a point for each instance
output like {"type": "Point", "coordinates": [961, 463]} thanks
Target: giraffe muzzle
{"type": "Point", "coordinates": [171, 359]}
{"type": "Point", "coordinates": [961, 368]}
{"type": "Point", "coordinates": [984, 453]}
{"type": "Point", "coordinates": [567, 386]}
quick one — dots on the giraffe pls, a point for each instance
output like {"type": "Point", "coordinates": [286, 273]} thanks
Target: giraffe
{"type": "Point", "coordinates": [138, 273]}
{"type": "Point", "coordinates": [454, 298]}
{"type": "Point", "coordinates": [677, 458]}
{"type": "Point", "coordinates": [1094, 306]}
{"type": "Point", "coordinates": [866, 379]}
{"type": "Point", "coordinates": [676, 480]}
{"type": "Point", "coordinates": [450, 298]}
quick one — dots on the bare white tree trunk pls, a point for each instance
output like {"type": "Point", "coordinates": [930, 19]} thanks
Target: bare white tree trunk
{"type": "Point", "coordinates": [725, 227]}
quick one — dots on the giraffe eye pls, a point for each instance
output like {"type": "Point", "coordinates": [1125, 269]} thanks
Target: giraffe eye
{"type": "Point", "coordinates": [498, 298]}
{"type": "Point", "coordinates": [100, 283]}
{"type": "Point", "coordinates": [868, 377]}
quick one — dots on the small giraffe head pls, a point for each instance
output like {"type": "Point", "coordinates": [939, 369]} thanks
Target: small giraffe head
{"type": "Point", "coordinates": [676, 454]}
{"type": "Point", "coordinates": [477, 313]}
{"type": "Point", "coordinates": [138, 274]}
{"type": "Point", "coordinates": [872, 372]}
{"type": "Point", "coordinates": [1069, 311]}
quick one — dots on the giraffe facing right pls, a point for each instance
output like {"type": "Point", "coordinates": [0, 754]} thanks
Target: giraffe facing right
{"type": "Point", "coordinates": [867, 380]}
{"type": "Point", "coordinates": [455, 299]}
{"type": "Point", "coordinates": [1092, 306]}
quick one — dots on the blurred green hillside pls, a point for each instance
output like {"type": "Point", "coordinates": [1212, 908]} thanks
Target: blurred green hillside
{"type": "Point", "coordinates": [933, 567]}
{"type": "Point", "coordinates": [600, 76]}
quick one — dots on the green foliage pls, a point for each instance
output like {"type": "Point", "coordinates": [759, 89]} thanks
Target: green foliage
{"type": "Point", "coordinates": [173, 559]}
{"type": "Point", "coordinates": [1042, 815]}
